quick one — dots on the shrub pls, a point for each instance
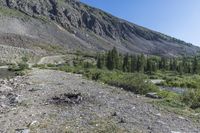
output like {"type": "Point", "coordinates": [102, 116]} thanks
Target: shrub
{"type": "Point", "coordinates": [22, 66]}
{"type": "Point", "coordinates": [137, 83]}
{"type": "Point", "coordinates": [51, 65]}
{"type": "Point", "coordinates": [192, 98]}
{"type": "Point", "coordinates": [12, 67]}
{"type": "Point", "coordinates": [18, 67]}
{"type": "Point", "coordinates": [41, 66]}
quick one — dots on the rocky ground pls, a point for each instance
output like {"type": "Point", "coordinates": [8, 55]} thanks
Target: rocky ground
{"type": "Point", "coordinates": [47, 101]}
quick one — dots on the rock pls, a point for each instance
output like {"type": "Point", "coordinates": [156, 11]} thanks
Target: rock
{"type": "Point", "coordinates": [22, 131]}
{"type": "Point", "coordinates": [34, 124]}
{"type": "Point", "coordinates": [158, 114]}
{"type": "Point", "coordinates": [114, 114]}
{"type": "Point", "coordinates": [153, 95]}
{"type": "Point", "coordinates": [67, 98]}
{"type": "Point", "coordinates": [175, 132]}
{"type": "Point", "coordinates": [34, 89]}
{"type": "Point", "coordinates": [4, 88]}
{"type": "Point", "coordinates": [13, 98]}
{"type": "Point", "coordinates": [122, 120]}
{"type": "Point", "coordinates": [3, 82]}
{"type": "Point", "coordinates": [182, 118]}
{"type": "Point", "coordinates": [133, 107]}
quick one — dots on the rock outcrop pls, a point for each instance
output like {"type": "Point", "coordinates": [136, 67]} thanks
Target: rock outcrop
{"type": "Point", "coordinates": [75, 25]}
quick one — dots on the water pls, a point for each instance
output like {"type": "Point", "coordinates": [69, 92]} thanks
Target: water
{"type": "Point", "coordinates": [177, 90]}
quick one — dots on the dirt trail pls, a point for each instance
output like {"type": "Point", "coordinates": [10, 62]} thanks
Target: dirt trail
{"type": "Point", "coordinates": [52, 59]}
{"type": "Point", "coordinates": [44, 104]}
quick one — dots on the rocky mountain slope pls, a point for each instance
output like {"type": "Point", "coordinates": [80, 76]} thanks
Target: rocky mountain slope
{"type": "Point", "coordinates": [72, 25]}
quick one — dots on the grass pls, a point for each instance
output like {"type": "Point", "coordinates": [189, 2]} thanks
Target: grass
{"type": "Point", "coordinates": [137, 82]}
{"type": "Point", "coordinates": [185, 104]}
{"type": "Point", "coordinates": [11, 12]}
{"type": "Point", "coordinates": [172, 79]}
{"type": "Point", "coordinates": [140, 83]}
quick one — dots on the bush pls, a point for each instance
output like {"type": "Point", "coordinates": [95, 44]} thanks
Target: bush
{"type": "Point", "coordinates": [41, 66]}
{"type": "Point", "coordinates": [12, 67]}
{"type": "Point", "coordinates": [51, 65]}
{"type": "Point", "coordinates": [137, 83]}
{"type": "Point", "coordinates": [192, 98]}
{"type": "Point", "coordinates": [18, 67]}
{"type": "Point", "coordinates": [22, 66]}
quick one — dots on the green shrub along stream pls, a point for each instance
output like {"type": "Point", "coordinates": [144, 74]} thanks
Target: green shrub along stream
{"type": "Point", "coordinates": [133, 73]}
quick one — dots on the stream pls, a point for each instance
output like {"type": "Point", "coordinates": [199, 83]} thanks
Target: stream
{"type": "Point", "coordinates": [177, 90]}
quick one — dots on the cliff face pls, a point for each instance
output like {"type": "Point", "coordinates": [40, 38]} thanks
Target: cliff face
{"type": "Point", "coordinates": [73, 25]}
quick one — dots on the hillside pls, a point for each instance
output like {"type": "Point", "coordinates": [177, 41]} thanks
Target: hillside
{"type": "Point", "coordinates": [48, 25]}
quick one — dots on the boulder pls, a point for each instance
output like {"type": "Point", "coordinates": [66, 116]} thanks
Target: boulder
{"type": "Point", "coordinates": [153, 95]}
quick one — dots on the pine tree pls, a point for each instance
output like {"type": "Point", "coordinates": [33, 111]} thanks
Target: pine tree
{"type": "Point", "coordinates": [174, 65]}
{"type": "Point", "coordinates": [141, 63]}
{"type": "Point", "coordinates": [195, 65]}
{"type": "Point", "coordinates": [163, 63]}
{"type": "Point", "coordinates": [126, 63]}
{"type": "Point", "coordinates": [115, 58]}
{"type": "Point", "coordinates": [109, 62]}
{"type": "Point", "coordinates": [100, 61]}
{"type": "Point", "coordinates": [149, 66]}
{"type": "Point", "coordinates": [133, 63]}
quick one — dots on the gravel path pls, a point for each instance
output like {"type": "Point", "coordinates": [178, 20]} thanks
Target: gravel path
{"type": "Point", "coordinates": [58, 59]}
{"type": "Point", "coordinates": [99, 108]}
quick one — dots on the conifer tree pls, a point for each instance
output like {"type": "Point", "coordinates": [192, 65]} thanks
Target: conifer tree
{"type": "Point", "coordinates": [126, 63]}
{"type": "Point", "coordinates": [99, 61]}
{"type": "Point", "coordinates": [141, 63]}
{"type": "Point", "coordinates": [109, 62]}
{"type": "Point", "coordinates": [115, 58]}
{"type": "Point", "coordinates": [133, 63]}
{"type": "Point", "coordinates": [195, 65]}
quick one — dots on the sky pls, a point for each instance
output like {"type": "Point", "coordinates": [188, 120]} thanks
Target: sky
{"type": "Point", "coordinates": [177, 18]}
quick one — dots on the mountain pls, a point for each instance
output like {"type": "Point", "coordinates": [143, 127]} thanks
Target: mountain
{"type": "Point", "coordinates": [47, 25]}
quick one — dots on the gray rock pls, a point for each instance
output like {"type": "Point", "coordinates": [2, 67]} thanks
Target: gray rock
{"type": "Point", "coordinates": [22, 131]}
{"type": "Point", "coordinates": [82, 27]}
{"type": "Point", "coordinates": [5, 88]}
{"type": "Point", "coordinates": [153, 95]}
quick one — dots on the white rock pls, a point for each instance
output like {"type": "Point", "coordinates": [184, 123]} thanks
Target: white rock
{"type": "Point", "coordinates": [182, 118]}
{"type": "Point", "coordinates": [175, 132]}
{"type": "Point", "coordinates": [5, 88]}
{"type": "Point", "coordinates": [159, 114]}
{"type": "Point", "coordinates": [133, 107]}
{"type": "Point", "coordinates": [34, 124]}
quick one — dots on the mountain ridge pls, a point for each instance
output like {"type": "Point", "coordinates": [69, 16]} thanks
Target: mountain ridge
{"type": "Point", "coordinates": [95, 30]}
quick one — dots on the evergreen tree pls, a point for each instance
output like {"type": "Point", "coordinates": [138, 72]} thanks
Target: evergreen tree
{"type": "Point", "coordinates": [149, 66]}
{"type": "Point", "coordinates": [174, 64]}
{"type": "Point", "coordinates": [133, 63]}
{"type": "Point", "coordinates": [195, 65]}
{"type": "Point", "coordinates": [100, 61]}
{"type": "Point", "coordinates": [126, 63]}
{"type": "Point", "coordinates": [141, 63]}
{"type": "Point", "coordinates": [115, 58]}
{"type": "Point", "coordinates": [109, 62]}
{"type": "Point", "coordinates": [163, 63]}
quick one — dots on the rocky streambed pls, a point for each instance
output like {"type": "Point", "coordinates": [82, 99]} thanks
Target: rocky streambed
{"type": "Point", "coordinates": [55, 102]}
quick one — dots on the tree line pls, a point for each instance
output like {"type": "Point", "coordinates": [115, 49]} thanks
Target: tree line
{"type": "Point", "coordinates": [113, 60]}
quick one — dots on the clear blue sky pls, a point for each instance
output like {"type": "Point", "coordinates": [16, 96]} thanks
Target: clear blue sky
{"type": "Point", "coordinates": [177, 18]}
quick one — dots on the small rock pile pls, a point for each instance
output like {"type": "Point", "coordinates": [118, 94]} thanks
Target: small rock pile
{"type": "Point", "coordinates": [8, 98]}
{"type": "Point", "coordinates": [67, 98]}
